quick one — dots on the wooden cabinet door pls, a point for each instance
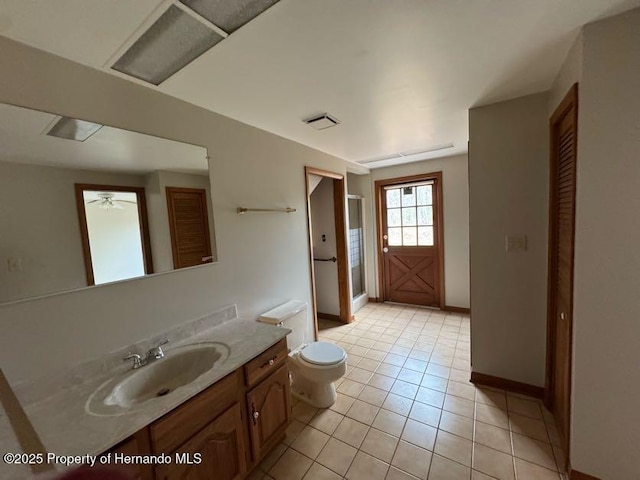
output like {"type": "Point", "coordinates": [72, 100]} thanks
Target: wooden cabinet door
{"type": "Point", "coordinates": [221, 447]}
{"type": "Point", "coordinates": [138, 444]}
{"type": "Point", "coordinates": [269, 407]}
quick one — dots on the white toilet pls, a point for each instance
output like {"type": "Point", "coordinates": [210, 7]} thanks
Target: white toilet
{"type": "Point", "coordinates": [314, 366]}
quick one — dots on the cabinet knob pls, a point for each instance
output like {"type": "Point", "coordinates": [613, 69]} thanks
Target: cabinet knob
{"type": "Point", "coordinates": [256, 415]}
{"type": "Point", "coordinates": [271, 362]}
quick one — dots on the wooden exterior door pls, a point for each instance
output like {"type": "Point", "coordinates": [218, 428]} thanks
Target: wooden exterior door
{"type": "Point", "coordinates": [189, 226]}
{"type": "Point", "coordinates": [221, 449]}
{"type": "Point", "coordinates": [269, 412]}
{"type": "Point", "coordinates": [410, 240]}
{"type": "Point", "coordinates": [563, 135]}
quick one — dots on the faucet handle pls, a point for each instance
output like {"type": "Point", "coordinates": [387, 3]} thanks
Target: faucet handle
{"type": "Point", "coordinates": [137, 359]}
{"type": "Point", "coordinates": [157, 351]}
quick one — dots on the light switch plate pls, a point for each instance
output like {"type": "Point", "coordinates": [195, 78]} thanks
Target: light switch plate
{"type": "Point", "coordinates": [516, 242]}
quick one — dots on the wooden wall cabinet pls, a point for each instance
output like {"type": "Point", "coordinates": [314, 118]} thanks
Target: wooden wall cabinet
{"type": "Point", "coordinates": [225, 431]}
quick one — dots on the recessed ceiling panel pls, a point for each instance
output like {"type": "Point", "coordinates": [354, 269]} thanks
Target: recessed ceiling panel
{"type": "Point", "coordinates": [73, 129]}
{"type": "Point", "coordinates": [229, 15]}
{"type": "Point", "coordinates": [171, 43]}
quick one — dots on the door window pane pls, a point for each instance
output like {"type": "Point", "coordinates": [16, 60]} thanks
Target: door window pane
{"type": "Point", "coordinates": [393, 198]}
{"type": "Point", "coordinates": [395, 237]}
{"type": "Point", "coordinates": [409, 237]}
{"type": "Point", "coordinates": [425, 195]}
{"type": "Point", "coordinates": [425, 236]}
{"type": "Point", "coordinates": [408, 196]}
{"type": "Point", "coordinates": [408, 216]}
{"type": "Point", "coordinates": [425, 215]}
{"type": "Point", "coordinates": [393, 217]}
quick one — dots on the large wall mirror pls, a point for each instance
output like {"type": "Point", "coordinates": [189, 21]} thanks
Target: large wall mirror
{"type": "Point", "coordinates": [83, 204]}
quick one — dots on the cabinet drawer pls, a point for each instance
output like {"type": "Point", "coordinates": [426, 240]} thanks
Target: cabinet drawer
{"type": "Point", "coordinates": [179, 425]}
{"type": "Point", "coordinates": [265, 363]}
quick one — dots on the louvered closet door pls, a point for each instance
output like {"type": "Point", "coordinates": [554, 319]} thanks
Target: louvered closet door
{"type": "Point", "coordinates": [563, 189]}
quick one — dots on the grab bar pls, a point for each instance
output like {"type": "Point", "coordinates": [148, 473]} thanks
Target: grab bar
{"type": "Point", "coordinates": [332, 259]}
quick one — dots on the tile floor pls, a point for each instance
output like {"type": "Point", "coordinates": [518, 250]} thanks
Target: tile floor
{"type": "Point", "coordinates": [406, 411]}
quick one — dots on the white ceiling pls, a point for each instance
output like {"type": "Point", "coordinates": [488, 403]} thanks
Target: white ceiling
{"type": "Point", "coordinates": [24, 140]}
{"type": "Point", "coordinates": [400, 75]}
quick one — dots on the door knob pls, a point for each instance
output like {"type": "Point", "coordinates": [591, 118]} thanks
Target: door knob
{"type": "Point", "coordinates": [385, 249]}
{"type": "Point", "coordinates": [385, 237]}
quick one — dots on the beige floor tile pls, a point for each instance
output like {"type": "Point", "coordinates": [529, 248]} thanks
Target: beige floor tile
{"type": "Point", "coordinates": [395, 359]}
{"type": "Point", "coordinates": [398, 404]}
{"type": "Point", "coordinates": [290, 466]}
{"type": "Point", "coordinates": [453, 447]}
{"type": "Point", "coordinates": [270, 460]}
{"type": "Point", "coordinates": [389, 422]}
{"type": "Point", "coordinates": [458, 405]}
{"type": "Point", "coordinates": [404, 389]}
{"type": "Point", "coordinates": [303, 412]}
{"type": "Point", "coordinates": [397, 474]}
{"type": "Point", "coordinates": [534, 451]}
{"type": "Point", "coordinates": [318, 472]}
{"type": "Point", "coordinates": [529, 471]}
{"type": "Point", "coordinates": [464, 390]}
{"type": "Point", "coordinates": [412, 459]}
{"type": "Point", "coordinates": [410, 376]}
{"type": "Point", "coordinates": [337, 456]}
{"type": "Point", "coordinates": [415, 364]}
{"type": "Point", "coordinates": [419, 353]}
{"type": "Point", "coordinates": [363, 412]}
{"type": "Point", "coordinates": [457, 424]}
{"type": "Point", "coordinates": [326, 421]}
{"type": "Point", "coordinates": [356, 350]}
{"type": "Point", "coordinates": [365, 467]}
{"type": "Point", "coordinates": [381, 381]}
{"type": "Point", "coordinates": [528, 426]}
{"type": "Point", "coordinates": [521, 406]}
{"type": "Point", "coordinates": [372, 395]}
{"type": "Point", "coordinates": [430, 397]}
{"type": "Point", "coordinates": [476, 475]}
{"type": "Point", "coordinates": [492, 398]}
{"type": "Point", "coordinates": [434, 383]}
{"type": "Point", "coordinates": [376, 355]}
{"type": "Point", "coordinates": [492, 462]}
{"type": "Point", "coordinates": [342, 404]}
{"type": "Point", "coordinates": [561, 458]}
{"type": "Point", "coordinates": [461, 376]}
{"type": "Point", "coordinates": [360, 375]}
{"type": "Point", "coordinates": [310, 442]}
{"type": "Point", "coordinates": [388, 370]}
{"type": "Point", "coordinates": [492, 415]}
{"type": "Point", "coordinates": [494, 437]}
{"type": "Point", "coordinates": [293, 430]}
{"type": "Point", "coordinates": [351, 432]}
{"type": "Point", "coordinates": [379, 445]}
{"type": "Point", "coordinates": [445, 469]}
{"type": "Point", "coordinates": [351, 388]}
{"type": "Point", "coordinates": [425, 413]}
{"type": "Point", "coordinates": [438, 370]}
{"type": "Point", "coordinates": [368, 364]}
{"type": "Point", "coordinates": [419, 434]}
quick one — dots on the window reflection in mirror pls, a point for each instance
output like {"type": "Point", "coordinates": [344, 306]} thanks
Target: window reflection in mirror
{"type": "Point", "coordinates": [43, 249]}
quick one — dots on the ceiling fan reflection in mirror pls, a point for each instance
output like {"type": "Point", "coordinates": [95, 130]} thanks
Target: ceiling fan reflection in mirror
{"type": "Point", "coordinates": [107, 201]}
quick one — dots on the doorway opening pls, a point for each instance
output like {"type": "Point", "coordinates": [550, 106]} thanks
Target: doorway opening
{"type": "Point", "coordinates": [357, 274]}
{"type": "Point", "coordinates": [328, 245]}
{"type": "Point", "coordinates": [114, 232]}
{"type": "Point", "coordinates": [562, 198]}
{"type": "Point", "coordinates": [410, 240]}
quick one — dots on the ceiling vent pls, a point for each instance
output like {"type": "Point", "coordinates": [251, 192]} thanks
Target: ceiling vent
{"type": "Point", "coordinates": [229, 15]}
{"type": "Point", "coordinates": [73, 129]}
{"type": "Point", "coordinates": [322, 122]}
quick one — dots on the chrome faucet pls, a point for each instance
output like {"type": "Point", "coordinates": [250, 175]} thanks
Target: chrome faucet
{"type": "Point", "coordinates": [155, 353]}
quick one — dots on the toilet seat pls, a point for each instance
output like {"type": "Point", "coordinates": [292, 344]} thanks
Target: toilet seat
{"type": "Point", "coordinates": [323, 353]}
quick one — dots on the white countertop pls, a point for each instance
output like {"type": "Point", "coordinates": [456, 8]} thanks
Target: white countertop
{"type": "Point", "coordinates": [66, 427]}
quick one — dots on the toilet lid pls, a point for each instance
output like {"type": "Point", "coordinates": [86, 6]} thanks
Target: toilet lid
{"type": "Point", "coordinates": [323, 353]}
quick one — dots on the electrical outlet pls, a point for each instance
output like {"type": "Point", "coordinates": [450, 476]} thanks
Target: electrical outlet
{"type": "Point", "coordinates": [516, 243]}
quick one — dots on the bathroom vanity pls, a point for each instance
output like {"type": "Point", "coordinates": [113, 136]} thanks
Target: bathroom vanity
{"type": "Point", "coordinates": [223, 432]}
{"type": "Point", "coordinates": [217, 423]}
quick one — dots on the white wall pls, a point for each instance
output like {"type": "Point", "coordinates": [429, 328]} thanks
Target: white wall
{"type": "Point", "coordinates": [508, 192]}
{"type": "Point", "coordinates": [606, 383]}
{"type": "Point", "coordinates": [323, 224]}
{"type": "Point", "coordinates": [570, 73]}
{"type": "Point", "coordinates": [263, 258]}
{"type": "Point", "coordinates": [116, 243]}
{"type": "Point", "coordinates": [39, 220]}
{"type": "Point", "coordinates": [456, 221]}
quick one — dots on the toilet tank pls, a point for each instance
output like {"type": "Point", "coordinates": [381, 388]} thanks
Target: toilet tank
{"type": "Point", "coordinates": [293, 315]}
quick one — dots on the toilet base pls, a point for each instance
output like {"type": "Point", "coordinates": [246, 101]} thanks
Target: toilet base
{"type": "Point", "coordinates": [318, 395]}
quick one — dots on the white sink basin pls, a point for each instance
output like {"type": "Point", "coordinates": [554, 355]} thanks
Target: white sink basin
{"type": "Point", "coordinates": [180, 367]}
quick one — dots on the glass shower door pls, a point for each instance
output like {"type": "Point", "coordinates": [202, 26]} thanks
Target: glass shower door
{"type": "Point", "coordinates": [356, 246]}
